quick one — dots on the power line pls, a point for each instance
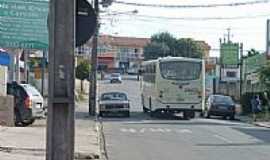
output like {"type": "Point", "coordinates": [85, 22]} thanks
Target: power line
{"type": "Point", "coordinates": [147, 17]}
{"type": "Point", "coordinates": [203, 18]}
{"type": "Point", "coordinates": [193, 6]}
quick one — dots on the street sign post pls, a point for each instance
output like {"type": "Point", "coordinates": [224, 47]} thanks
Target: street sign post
{"type": "Point", "coordinates": [268, 39]}
{"type": "Point", "coordinates": [23, 24]}
{"type": "Point", "coordinates": [85, 22]}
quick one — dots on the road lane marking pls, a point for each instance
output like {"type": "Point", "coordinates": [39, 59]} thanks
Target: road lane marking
{"type": "Point", "coordinates": [132, 130]}
{"type": "Point", "coordinates": [124, 130]}
{"type": "Point", "coordinates": [184, 131]}
{"type": "Point", "coordinates": [142, 130]}
{"type": "Point", "coordinates": [223, 138]}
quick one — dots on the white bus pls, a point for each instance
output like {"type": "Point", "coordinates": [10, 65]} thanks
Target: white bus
{"type": "Point", "coordinates": [173, 85]}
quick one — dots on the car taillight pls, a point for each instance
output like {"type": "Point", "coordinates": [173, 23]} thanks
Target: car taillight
{"type": "Point", "coordinates": [28, 102]}
{"type": "Point", "coordinates": [160, 94]}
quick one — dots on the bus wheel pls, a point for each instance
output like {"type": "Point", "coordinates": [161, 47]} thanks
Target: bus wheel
{"type": "Point", "coordinates": [192, 114]}
{"type": "Point", "coordinates": [152, 113]}
{"type": "Point", "coordinates": [145, 109]}
{"type": "Point", "coordinates": [186, 115]}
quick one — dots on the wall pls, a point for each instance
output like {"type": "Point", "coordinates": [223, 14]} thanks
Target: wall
{"type": "Point", "coordinates": [7, 111]}
{"type": "Point", "coordinates": [229, 88]}
{"type": "Point", "coordinates": [3, 80]}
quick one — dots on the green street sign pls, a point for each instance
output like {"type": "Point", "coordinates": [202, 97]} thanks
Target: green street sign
{"type": "Point", "coordinates": [23, 24]}
{"type": "Point", "coordinates": [229, 53]}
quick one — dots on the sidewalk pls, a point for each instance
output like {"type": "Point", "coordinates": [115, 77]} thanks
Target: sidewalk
{"type": "Point", "coordinates": [259, 123]}
{"type": "Point", "coordinates": [29, 143]}
{"type": "Point", "coordinates": [262, 124]}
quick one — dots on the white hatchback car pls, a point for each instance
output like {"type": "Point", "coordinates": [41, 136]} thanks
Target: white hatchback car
{"type": "Point", "coordinates": [116, 77]}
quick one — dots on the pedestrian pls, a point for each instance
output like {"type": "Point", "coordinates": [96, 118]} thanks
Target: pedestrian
{"type": "Point", "coordinates": [253, 103]}
{"type": "Point", "coordinates": [255, 106]}
{"type": "Point", "coordinates": [258, 104]}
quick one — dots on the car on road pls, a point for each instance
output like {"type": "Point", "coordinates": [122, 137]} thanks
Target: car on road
{"type": "Point", "coordinates": [115, 77]}
{"type": "Point", "coordinates": [220, 105]}
{"type": "Point", "coordinates": [114, 102]}
{"type": "Point", "coordinates": [28, 103]}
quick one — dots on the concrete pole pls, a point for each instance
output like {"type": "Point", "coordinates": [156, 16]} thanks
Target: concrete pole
{"type": "Point", "coordinates": [17, 69]}
{"type": "Point", "coordinates": [61, 104]}
{"type": "Point", "coordinates": [93, 78]}
{"type": "Point", "coordinates": [26, 53]}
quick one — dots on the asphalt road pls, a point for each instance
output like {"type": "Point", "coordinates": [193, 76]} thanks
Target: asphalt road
{"type": "Point", "coordinates": [143, 138]}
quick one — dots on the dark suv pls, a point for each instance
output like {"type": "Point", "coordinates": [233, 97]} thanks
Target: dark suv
{"type": "Point", "coordinates": [24, 110]}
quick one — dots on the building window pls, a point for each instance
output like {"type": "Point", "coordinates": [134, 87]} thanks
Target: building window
{"type": "Point", "coordinates": [231, 74]}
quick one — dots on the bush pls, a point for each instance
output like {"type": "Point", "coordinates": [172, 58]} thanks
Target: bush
{"type": "Point", "coordinates": [246, 102]}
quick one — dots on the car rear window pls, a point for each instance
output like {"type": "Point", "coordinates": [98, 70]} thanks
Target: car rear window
{"type": "Point", "coordinates": [223, 99]}
{"type": "Point", "coordinates": [114, 96]}
{"type": "Point", "coordinates": [115, 75]}
{"type": "Point", "coordinates": [31, 90]}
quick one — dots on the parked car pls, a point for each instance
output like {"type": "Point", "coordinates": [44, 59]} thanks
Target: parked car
{"type": "Point", "coordinates": [114, 102]}
{"type": "Point", "coordinates": [116, 77]}
{"type": "Point", "coordinates": [28, 103]}
{"type": "Point", "coordinates": [220, 105]}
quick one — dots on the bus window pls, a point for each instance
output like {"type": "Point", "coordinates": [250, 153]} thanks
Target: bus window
{"type": "Point", "coordinates": [180, 70]}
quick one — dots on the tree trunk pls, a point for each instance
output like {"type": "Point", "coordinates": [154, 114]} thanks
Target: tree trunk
{"type": "Point", "coordinates": [82, 86]}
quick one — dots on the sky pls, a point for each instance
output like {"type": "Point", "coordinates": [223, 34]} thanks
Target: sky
{"type": "Point", "coordinates": [250, 29]}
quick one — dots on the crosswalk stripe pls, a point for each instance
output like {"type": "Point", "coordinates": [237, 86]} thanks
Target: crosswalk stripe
{"type": "Point", "coordinates": [184, 131]}
{"type": "Point", "coordinates": [154, 130]}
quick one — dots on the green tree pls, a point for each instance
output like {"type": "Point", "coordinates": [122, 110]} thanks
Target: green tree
{"type": "Point", "coordinates": [164, 44]}
{"type": "Point", "coordinates": [161, 45]}
{"type": "Point", "coordinates": [82, 72]}
{"type": "Point", "coordinates": [264, 75]}
{"type": "Point", "coordinates": [187, 47]}
{"type": "Point", "coordinates": [251, 53]}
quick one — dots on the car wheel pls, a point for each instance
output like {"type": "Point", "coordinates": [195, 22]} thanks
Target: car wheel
{"type": "Point", "coordinates": [232, 117]}
{"type": "Point", "coordinates": [101, 114]}
{"type": "Point", "coordinates": [28, 122]}
{"type": "Point", "coordinates": [186, 115]}
{"type": "Point", "coordinates": [127, 114]}
{"type": "Point", "coordinates": [192, 114]}
{"type": "Point", "coordinates": [207, 114]}
{"type": "Point", "coordinates": [145, 110]}
{"type": "Point", "coordinates": [152, 113]}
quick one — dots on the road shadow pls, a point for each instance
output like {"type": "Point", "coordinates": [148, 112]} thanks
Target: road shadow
{"type": "Point", "coordinates": [233, 144]}
{"type": "Point", "coordinates": [144, 118]}
{"type": "Point", "coordinates": [262, 134]}
{"type": "Point", "coordinates": [80, 115]}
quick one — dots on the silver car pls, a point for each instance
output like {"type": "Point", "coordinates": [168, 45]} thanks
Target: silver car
{"type": "Point", "coordinates": [114, 102]}
{"type": "Point", "coordinates": [116, 77]}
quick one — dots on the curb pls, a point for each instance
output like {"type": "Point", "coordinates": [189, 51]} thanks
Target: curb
{"type": "Point", "coordinates": [261, 125]}
{"type": "Point", "coordinates": [258, 124]}
{"type": "Point", "coordinates": [101, 140]}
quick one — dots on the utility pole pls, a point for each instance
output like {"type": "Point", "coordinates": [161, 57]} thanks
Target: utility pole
{"type": "Point", "coordinates": [241, 69]}
{"type": "Point", "coordinates": [93, 78]}
{"type": "Point", "coordinates": [43, 66]}
{"type": "Point", "coordinates": [229, 34]}
{"type": "Point", "coordinates": [60, 121]}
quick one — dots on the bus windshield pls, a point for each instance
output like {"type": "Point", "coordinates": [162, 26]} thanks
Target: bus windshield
{"type": "Point", "coordinates": [180, 70]}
